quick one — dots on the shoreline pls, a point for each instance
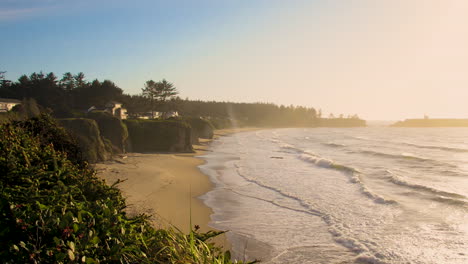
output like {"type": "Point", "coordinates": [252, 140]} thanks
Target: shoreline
{"type": "Point", "coordinates": [167, 186]}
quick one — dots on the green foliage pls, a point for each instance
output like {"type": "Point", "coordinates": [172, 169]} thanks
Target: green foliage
{"type": "Point", "coordinates": [158, 93]}
{"type": "Point", "coordinates": [52, 211]}
{"type": "Point", "coordinates": [48, 132]}
{"type": "Point", "coordinates": [63, 96]}
{"type": "Point", "coordinates": [27, 109]}
{"type": "Point", "coordinates": [95, 93]}
{"type": "Point", "coordinates": [159, 135]}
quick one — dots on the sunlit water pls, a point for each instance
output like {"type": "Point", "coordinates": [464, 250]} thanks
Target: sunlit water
{"type": "Point", "coordinates": [356, 195]}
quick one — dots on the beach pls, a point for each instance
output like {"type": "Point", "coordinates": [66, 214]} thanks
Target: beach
{"type": "Point", "coordinates": [166, 186]}
{"type": "Point", "coordinates": [163, 185]}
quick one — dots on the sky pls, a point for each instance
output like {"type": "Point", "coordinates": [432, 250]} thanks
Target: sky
{"type": "Point", "coordinates": [380, 59]}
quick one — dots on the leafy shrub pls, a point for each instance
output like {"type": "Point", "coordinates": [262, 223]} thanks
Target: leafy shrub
{"type": "Point", "coordinates": [47, 131]}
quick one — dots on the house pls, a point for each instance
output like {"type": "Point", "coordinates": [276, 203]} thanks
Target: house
{"type": "Point", "coordinates": [170, 114]}
{"type": "Point", "coordinates": [157, 115]}
{"type": "Point", "coordinates": [7, 104]}
{"type": "Point", "coordinates": [116, 109]}
{"type": "Point", "coordinates": [149, 115]}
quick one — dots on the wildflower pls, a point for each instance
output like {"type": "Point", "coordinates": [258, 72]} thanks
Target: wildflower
{"type": "Point", "coordinates": [67, 232]}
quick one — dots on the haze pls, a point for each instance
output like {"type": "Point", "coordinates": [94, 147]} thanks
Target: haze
{"type": "Point", "coordinates": [378, 59]}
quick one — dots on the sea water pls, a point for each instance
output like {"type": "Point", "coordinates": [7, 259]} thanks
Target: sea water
{"type": "Point", "coordinates": [342, 195]}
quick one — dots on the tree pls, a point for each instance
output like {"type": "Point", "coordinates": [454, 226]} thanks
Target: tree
{"type": "Point", "coordinates": [159, 92]}
{"type": "Point", "coordinates": [4, 84]}
{"type": "Point", "coordinates": [67, 82]}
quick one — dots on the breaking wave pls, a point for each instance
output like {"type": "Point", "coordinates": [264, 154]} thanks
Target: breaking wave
{"type": "Point", "coordinates": [395, 179]}
{"type": "Point", "coordinates": [352, 173]}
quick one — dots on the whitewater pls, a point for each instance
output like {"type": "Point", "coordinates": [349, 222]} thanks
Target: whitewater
{"type": "Point", "coordinates": [342, 195]}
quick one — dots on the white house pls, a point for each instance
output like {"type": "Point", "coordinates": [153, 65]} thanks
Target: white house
{"type": "Point", "coordinates": [157, 115]}
{"type": "Point", "coordinates": [170, 114]}
{"type": "Point", "coordinates": [116, 109]}
{"type": "Point", "coordinates": [7, 104]}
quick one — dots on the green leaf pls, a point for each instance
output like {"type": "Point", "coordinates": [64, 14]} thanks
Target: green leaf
{"type": "Point", "coordinates": [71, 245]}
{"type": "Point", "coordinates": [57, 241]}
{"type": "Point", "coordinates": [90, 261]}
{"type": "Point", "coordinates": [95, 240]}
{"type": "Point", "coordinates": [15, 247]}
{"type": "Point", "coordinates": [41, 206]}
{"type": "Point", "coordinates": [23, 245]}
{"type": "Point", "coordinates": [71, 255]}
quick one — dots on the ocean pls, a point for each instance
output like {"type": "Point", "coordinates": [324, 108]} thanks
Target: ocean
{"type": "Point", "coordinates": [342, 195]}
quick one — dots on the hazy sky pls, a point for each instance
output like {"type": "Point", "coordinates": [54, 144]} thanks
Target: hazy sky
{"type": "Point", "coordinates": [380, 59]}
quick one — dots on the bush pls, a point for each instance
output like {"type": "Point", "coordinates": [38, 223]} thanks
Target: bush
{"type": "Point", "coordinates": [47, 131]}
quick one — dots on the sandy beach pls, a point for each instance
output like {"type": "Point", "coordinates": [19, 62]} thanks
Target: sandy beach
{"type": "Point", "coordinates": [166, 186]}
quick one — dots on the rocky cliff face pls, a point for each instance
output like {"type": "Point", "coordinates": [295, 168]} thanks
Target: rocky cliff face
{"type": "Point", "coordinates": [157, 135]}
{"type": "Point", "coordinates": [112, 129]}
{"type": "Point", "coordinates": [87, 134]}
{"type": "Point", "coordinates": [201, 128]}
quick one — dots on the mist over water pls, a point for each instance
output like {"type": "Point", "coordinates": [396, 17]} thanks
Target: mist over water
{"type": "Point", "coordinates": [355, 195]}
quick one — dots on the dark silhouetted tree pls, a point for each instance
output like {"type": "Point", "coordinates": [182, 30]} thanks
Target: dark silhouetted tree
{"type": "Point", "coordinates": [159, 93]}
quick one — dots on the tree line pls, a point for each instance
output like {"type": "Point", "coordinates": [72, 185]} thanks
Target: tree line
{"type": "Point", "coordinates": [72, 95]}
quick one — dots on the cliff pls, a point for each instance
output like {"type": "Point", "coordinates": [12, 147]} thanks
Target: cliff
{"type": "Point", "coordinates": [112, 129]}
{"type": "Point", "coordinates": [201, 128]}
{"type": "Point", "coordinates": [159, 135]}
{"type": "Point", "coordinates": [87, 135]}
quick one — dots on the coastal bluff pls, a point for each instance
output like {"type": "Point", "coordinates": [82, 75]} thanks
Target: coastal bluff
{"type": "Point", "coordinates": [159, 135]}
{"type": "Point", "coordinates": [429, 122]}
{"type": "Point", "coordinates": [100, 136]}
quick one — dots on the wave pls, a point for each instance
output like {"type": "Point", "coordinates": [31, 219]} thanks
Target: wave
{"type": "Point", "coordinates": [361, 138]}
{"type": "Point", "coordinates": [295, 149]}
{"type": "Point", "coordinates": [325, 163]}
{"type": "Point", "coordinates": [309, 208]}
{"type": "Point", "coordinates": [441, 195]}
{"type": "Point", "coordinates": [353, 174]}
{"type": "Point", "coordinates": [335, 227]}
{"type": "Point", "coordinates": [405, 156]}
{"type": "Point", "coordinates": [334, 145]}
{"type": "Point", "coordinates": [450, 149]}
{"type": "Point", "coordinates": [444, 148]}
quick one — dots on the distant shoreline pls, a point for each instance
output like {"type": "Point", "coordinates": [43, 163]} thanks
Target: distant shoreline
{"type": "Point", "coordinates": [429, 122]}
